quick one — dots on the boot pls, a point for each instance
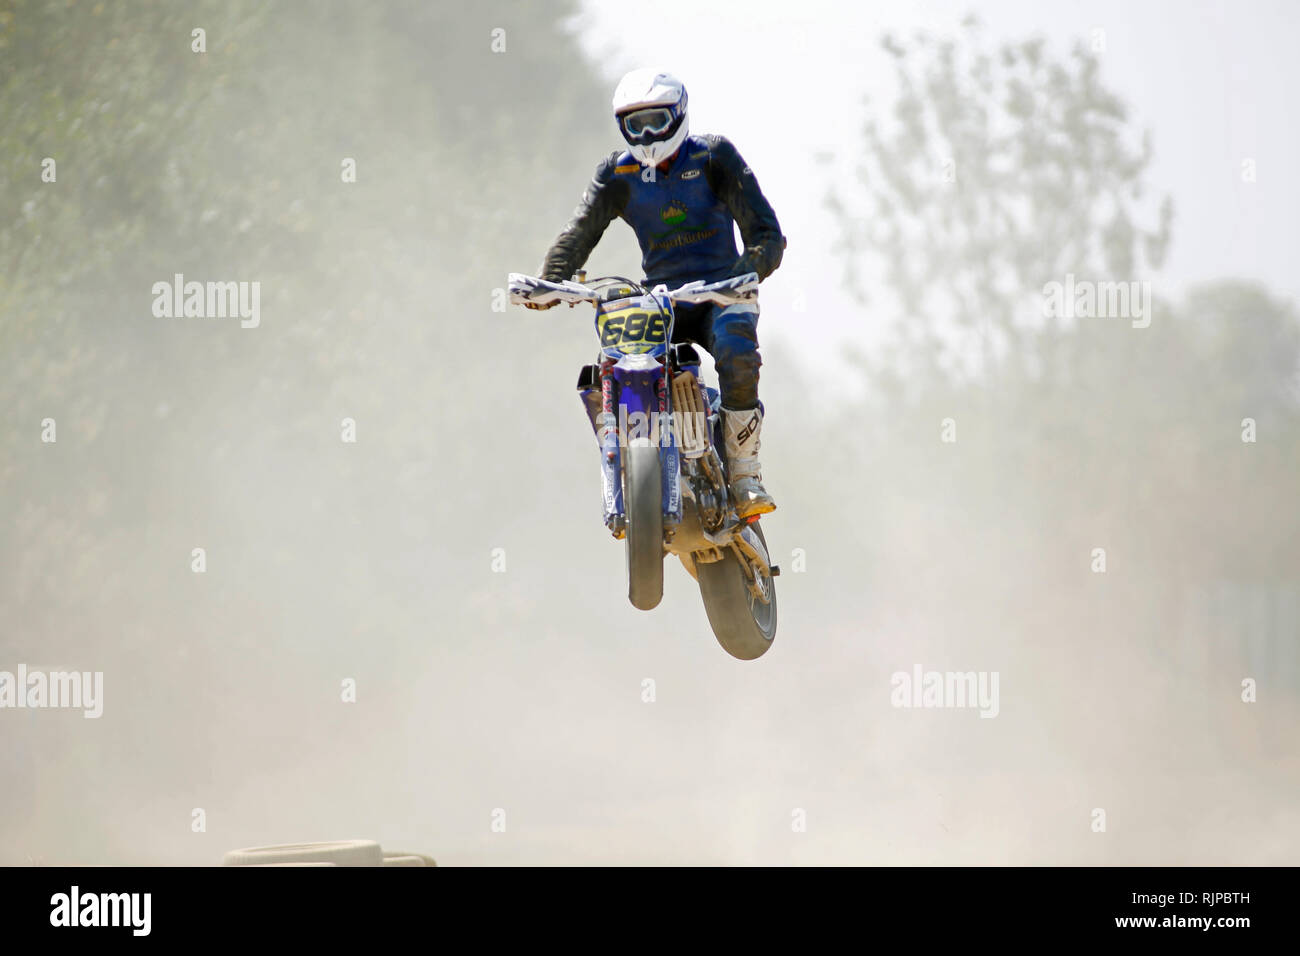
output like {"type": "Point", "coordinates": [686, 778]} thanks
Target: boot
{"type": "Point", "coordinates": [742, 429]}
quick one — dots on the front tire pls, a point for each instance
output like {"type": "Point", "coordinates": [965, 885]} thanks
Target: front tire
{"type": "Point", "coordinates": [643, 497]}
{"type": "Point", "coordinates": [744, 625]}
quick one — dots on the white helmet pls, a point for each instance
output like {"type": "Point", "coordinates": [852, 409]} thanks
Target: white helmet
{"type": "Point", "coordinates": [650, 106]}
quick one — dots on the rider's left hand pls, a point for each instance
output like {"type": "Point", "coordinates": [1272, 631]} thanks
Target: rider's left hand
{"type": "Point", "coordinates": [743, 266]}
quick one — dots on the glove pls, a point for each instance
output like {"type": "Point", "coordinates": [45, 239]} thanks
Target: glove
{"type": "Point", "coordinates": [540, 306]}
{"type": "Point", "coordinates": [745, 264]}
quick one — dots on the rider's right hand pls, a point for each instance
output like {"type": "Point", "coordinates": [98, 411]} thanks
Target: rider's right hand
{"type": "Point", "coordinates": [540, 306]}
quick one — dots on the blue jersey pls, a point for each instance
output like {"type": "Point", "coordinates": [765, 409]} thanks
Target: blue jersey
{"type": "Point", "coordinates": [682, 213]}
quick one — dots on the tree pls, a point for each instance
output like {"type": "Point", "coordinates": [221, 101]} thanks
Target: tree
{"type": "Point", "coordinates": [1002, 170]}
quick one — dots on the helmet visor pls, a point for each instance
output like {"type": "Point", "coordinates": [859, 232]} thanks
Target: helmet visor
{"type": "Point", "coordinates": [647, 122]}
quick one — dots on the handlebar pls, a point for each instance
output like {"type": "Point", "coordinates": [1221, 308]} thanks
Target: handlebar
{"type": "Point", "coordinates": [738, 289]}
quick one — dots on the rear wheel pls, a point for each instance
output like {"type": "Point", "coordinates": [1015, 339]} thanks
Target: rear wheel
{"type": "Point", "coordinates": [643, 499]}
{"type": "Point", "coordinates": [743, 623]}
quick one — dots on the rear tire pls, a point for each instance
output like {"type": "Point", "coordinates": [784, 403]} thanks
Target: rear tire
{"type": "Point", "coordinates": [643, 498]}
{"type": "Point", "coordinates": [743, 625]}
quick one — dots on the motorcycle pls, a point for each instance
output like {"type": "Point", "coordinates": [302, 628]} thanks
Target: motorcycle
{"type": "Point", "coordinates": [659, 429]}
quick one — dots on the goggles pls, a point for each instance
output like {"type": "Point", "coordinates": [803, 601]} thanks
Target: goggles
{"type": "Point", "coordinates": [647, 122]}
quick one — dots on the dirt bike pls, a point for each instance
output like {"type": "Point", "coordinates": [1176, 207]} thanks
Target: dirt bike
{"type": "Point", "coordinates": [659, 430]}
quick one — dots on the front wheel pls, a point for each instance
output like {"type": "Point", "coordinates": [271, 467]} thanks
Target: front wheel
{"type": "Point", "coordinates": [643, 496]}
{"type": "Point", "coordinates": [743, 623]}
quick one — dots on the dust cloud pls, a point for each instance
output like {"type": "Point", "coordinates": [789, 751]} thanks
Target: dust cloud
{"type": "Point", "coordinates": [450, 563]}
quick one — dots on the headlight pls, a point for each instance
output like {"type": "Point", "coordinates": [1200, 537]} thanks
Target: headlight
{"type": "Point", "coordinates": [637, 363]}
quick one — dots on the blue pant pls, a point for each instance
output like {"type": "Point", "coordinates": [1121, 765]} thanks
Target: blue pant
{"type": "Point", "coordinates": [730, 335]}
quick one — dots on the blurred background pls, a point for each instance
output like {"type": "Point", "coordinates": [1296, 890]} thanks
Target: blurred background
{"type": "Point", "coordinates": [934, 172]}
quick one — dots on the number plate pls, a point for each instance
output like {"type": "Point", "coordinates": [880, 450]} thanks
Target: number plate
{"type": "Point", "coordinates": [631, 330]}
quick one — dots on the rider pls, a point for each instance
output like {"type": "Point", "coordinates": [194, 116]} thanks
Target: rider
{"type": "Point", "coordinates": [680, 194]}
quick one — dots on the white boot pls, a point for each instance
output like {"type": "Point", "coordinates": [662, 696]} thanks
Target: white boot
{"type": "Point", "coordinates": [742, 430]}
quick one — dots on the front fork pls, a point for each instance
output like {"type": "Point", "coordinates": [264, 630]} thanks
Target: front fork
{"type": "Point", "coordinates": [610, 459]}
{"type": "Point", "coordinates": [642, 414]}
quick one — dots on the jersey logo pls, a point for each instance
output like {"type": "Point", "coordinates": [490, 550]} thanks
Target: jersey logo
{"type": "Point", "coordinates": [673, 213]}
{"type": "Point", "coordinates": [630, 168]}
{"type": "Point", "coordinates": [678, 233]}
{"type": "Point", "coordinates": [690, 174]}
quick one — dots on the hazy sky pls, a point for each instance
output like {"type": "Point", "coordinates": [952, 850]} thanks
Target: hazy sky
{"type": "Point", "coordinates": [1214, 81]}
